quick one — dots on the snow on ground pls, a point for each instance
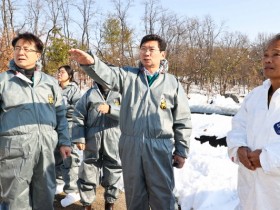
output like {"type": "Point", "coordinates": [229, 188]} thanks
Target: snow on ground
{"type": "Point", "coordinates": [208, 179]}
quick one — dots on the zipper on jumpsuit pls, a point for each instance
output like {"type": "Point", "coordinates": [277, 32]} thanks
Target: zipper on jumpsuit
{"type": "Point", "coordinates": [24, 78]}
{"type": "Point", "coordinates": [145, 111]}
{"type": "Point", "coordinates": [103, 124]}
{"type": "Point", "coordinates": [148, 104]}
{"type": "Point", "coordinates": [104, 100]}
{"type": "Point", "coordinates": [35, 108]}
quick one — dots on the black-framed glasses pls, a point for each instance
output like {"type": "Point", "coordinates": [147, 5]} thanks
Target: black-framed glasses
{"type": "Point", "coordinates": [25, 49]}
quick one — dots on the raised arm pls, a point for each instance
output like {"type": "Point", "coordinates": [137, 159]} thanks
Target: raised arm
{"type": "Point", "coordinates": [81, 57]}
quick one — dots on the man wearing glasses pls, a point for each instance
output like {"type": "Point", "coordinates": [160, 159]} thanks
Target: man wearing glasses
{"type": "Point", "coordinates": [154, 120]}
{"type": "Point", "coordinates": [33, 123]}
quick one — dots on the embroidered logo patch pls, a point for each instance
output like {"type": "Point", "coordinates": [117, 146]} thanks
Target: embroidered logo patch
{"type": "Point", "coordinates": [117, 102]}
{"type": "Point", "coordinates": [277, 128]}
{"type": "Point", "coordinates": [163, 103]}
{"type": "Point", "coordinates": [50, 99]}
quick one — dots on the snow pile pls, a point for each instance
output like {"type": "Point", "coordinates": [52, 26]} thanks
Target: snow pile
{"type": "Point", "coordinates": [219, 105]}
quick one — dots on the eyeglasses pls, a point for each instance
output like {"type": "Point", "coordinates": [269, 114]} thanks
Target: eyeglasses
{"type": "Point", "coordinates": [151, 50]}
{"type": "Point", "coordinates": [25, 49]}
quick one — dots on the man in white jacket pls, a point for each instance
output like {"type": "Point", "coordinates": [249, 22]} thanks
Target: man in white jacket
{"type": "Point", "coordinates": [254, 141]}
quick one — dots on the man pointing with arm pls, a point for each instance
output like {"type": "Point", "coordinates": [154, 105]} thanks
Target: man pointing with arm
{"type": "Point", "coordinates": [154, 120]}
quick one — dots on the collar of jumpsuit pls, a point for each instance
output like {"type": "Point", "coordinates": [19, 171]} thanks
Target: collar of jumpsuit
{"type": "Point", "coordinates": [151, 77]}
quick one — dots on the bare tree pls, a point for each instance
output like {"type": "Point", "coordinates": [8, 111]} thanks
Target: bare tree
{"type": "Point", "coordinates": [151, 15]}
{"type": "Point", "coordinates": [66, 19]}
{"type": "Point", "coordinates": [86, 9]}
{"type": "Point", "coordinates": [234, 47]}
{"type": "Point", "coordinates": [199, 51]}
{"type": "Point", "coordinates": [121, 13]}
{"type": "Point", "coordinates": [53, 10]}
{"type": "Point", "coordinates": [7, 33]}
{"type": "Point", "coordinates": [7, 13]}
{"type": "Point", "coordinates": [35, 21]}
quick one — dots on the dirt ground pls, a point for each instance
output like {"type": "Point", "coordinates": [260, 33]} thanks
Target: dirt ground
{"type": "Point", "coordinates": [97, 205]}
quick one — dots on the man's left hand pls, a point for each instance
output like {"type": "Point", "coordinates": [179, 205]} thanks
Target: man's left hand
{"type": "Point", "coordinates": [65, 151]}
{"type": "Point", "coordinates": [178, 161]}
{"type": "Point", "coordinates": [254, 157]}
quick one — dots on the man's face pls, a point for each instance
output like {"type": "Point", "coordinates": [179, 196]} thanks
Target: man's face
{"type": "Point", "coordinates": [25, 54]}
{"type": "Point", "coordinates": [150, 55]}
{"type": "Point", "coordinates": [271, 61]}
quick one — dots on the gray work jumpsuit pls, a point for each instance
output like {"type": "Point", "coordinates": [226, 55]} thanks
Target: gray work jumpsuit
{"type": "Point", "coordinates": [68, 168]}
{"type": "Point", "coordinates": [101, 133]}
{"type": "Point", "coordinates": [33, 122]}
{"type": "Point", "coordinates": [155, 123]}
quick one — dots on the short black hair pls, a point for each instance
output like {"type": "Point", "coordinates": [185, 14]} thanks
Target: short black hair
{"type": "Point", "coordinates": [69, 71]}
{"type": "Point", "coordinates": [30, 38]}
{"type": "Point", "coordinates": [154, 37]}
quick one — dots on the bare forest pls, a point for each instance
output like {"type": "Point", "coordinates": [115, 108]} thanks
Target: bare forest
{"type": "Point", "coordinates": [200, 51]}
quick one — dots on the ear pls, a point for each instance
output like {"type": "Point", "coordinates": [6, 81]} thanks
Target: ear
{"type": "Point", "coordinates": [38, 56]}
{"type": "Point", "coordinates": [163, 54]}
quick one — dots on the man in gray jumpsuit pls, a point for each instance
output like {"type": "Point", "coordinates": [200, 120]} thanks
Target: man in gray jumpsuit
{"type": "Point", "coordinates": [96, 131]}
{"type": "Point", "coordinates": [155, 123]}
{"type": "Point", "coordinates": [33, 122]}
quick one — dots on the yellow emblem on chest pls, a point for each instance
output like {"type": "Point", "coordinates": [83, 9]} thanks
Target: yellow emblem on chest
{"type": "Point", "coordinates": [163, 103]}
{"type": "Point", "coordinates": [50, 99]}
{"type": "Point", "coordinates": [117, 102]}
